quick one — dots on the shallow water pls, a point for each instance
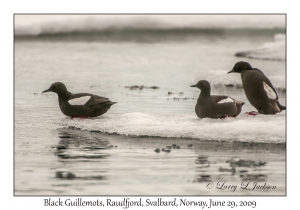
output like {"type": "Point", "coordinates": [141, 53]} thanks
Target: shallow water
{"type": "Point", "coordinates": [131, 166]}
{"type": "Point", "coordinates": [50, 149]}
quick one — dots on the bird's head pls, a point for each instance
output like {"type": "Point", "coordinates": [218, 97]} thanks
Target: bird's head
{"type": "Point", "coordinates": [203, 85]}
{"type": "Point", "coordinates": [239, 66]}
{"type": "Point", "coordinates": [57, 87]}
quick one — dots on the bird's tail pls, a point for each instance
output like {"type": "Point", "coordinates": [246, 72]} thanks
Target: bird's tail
{"type": "Point", "coordinates": [110, 103]}
{"type": "Point", "coordinates": [280, 106]}
{"type": "Point", "coordinates": [239, 103]}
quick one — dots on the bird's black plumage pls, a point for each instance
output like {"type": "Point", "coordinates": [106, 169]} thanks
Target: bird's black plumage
{"type": "Point", "coordinates": [79, 104]}
{"type": "Point", "coordinates": [215, 106]}
{"type": "Point", "coordinates": [258, 89]}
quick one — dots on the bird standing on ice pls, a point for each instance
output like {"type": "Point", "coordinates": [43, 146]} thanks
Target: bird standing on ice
{"type": "Point", "coordinates": [81, 105]}
{"type": "Point", "coordinates": [258, 89]}
{"type": "Point", "coordinates": [215, 106]}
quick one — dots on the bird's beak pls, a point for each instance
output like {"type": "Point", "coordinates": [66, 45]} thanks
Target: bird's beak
{"type": "Point", "coordinates": [48, 90]}
{"type": "Point", "coordinates": [193, 85]}
{"type": "Point", "coordinates": [230, 71]}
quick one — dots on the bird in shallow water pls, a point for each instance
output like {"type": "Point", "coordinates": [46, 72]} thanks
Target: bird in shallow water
{"type": "Point", "coordinates": [215, 106]}
{"type": "Point", "coordinates": [80, 105]}
{"type": "Point", "coordinates": [258, 89]}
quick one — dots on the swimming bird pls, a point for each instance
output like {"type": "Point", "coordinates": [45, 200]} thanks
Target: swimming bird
{"type": "Point", "coordinates": [258, 89]}
{"type": "Point", "coordinates": [215, 106]}
{"type": "Point", "coordinates": [80, 105]}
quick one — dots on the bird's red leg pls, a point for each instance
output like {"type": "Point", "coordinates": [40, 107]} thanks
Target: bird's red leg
{"type": "Point", "coordinates": [253, 113]}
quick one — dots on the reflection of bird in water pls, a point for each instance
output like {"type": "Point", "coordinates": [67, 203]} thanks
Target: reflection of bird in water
{"type": "Point", "coordinates": [202, 160]}
{"type": "Point", "coordinates": [76, 144]}
{"type": "Point", "coordinates": [79, 147]}
{"type": "Point", "coordinates": [203, 178]}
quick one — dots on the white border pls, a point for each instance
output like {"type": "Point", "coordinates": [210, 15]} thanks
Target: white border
{"type": "Point", "coordinates": [154, 6]}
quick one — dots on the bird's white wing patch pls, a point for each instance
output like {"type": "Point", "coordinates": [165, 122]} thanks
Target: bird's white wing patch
{"type": "Point", "coordinates": [226, 100]}
{"type": "Point", "coordinates": [79, 101]}
{"type": "Point", "coordinates": [270, 92]}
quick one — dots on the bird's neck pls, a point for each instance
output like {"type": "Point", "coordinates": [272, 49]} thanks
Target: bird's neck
{"type": "Point", "coordinates": [64, 95]}
{"type": "Point", "coordinates": [243, 73]}
{"type": "Point", "coordinates": [205, 93]}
